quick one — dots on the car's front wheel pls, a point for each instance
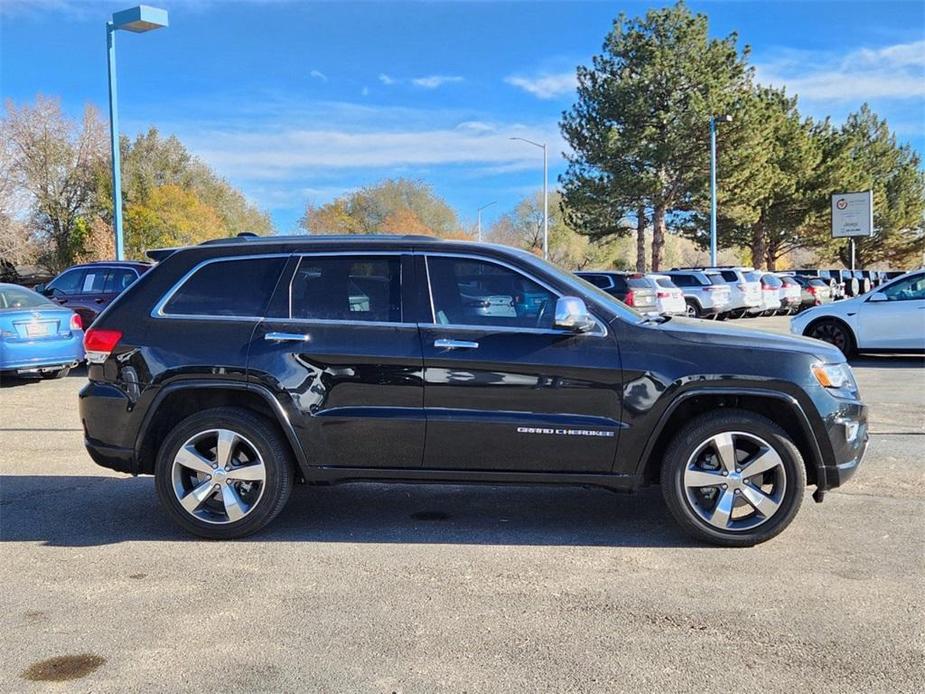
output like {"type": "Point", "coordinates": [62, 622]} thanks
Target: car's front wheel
{"type": "Point", "coordinates": [224, 473]}
{"type": "Point", "coordinates": [733, 478]}
{"type": "Point", "coordinates": [834, 332]}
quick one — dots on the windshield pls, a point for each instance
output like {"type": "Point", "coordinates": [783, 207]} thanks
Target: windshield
{"type": "Point", "coordinates": [18, 297]}
{"type": "Point", "coordinates": [582, 287]}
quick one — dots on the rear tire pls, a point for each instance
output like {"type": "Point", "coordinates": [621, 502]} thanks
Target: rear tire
{"type": "Point", "coordinates": [739, 510]}
{"type": "Point", "coordinates": [224, 473]}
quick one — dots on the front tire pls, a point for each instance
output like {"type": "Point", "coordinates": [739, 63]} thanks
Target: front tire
{"type": "Point", "coordinates": [733, 478]}
{"type": "Point", "coordinates": [224, 473]}
{"type": "Point", "coordinates": [692, 309]}
{"type": "Point", "coordinates": [835, 333]}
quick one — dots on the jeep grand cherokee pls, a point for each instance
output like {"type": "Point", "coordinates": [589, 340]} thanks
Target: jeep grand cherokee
{"type": "Point", "coordinates": [234, 369]}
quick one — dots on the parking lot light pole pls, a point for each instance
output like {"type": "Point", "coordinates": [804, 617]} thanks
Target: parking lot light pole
{"type": "Point", "coordinates": [545, 192]}
{"type": "Point", "coordinates": [137, 20]}
{"type": "Point", "coordinates": [479, 218]}
{"type": "Point", "coordinates": [713, 121]}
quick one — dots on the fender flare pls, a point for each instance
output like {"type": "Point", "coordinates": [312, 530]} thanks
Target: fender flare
{"type": "Point", "coordinates": [818, 460]}
{"type": "Point", "coordinates": [282, 417]}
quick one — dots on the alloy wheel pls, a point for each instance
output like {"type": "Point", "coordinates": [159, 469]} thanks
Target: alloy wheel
{"type": "Point", "coordinates": [832, 333]}
{"type": "Point", "coordinates": [735, 481]}
{"type": "Point", "coordinates": [218, 476]}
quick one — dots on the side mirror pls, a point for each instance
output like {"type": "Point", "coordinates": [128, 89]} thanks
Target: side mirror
{"type": "Point", "coordinates": [40, 288]}
{"type": "Point", "coordinates": [878, 296]}
{"type": "Point", "coordinates": [572, 315]}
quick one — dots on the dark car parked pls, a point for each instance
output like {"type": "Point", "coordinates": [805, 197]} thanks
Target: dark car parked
{"type": "Point", "coordinates": [230, 371]}
{"type": "Point", "coordinates": [88, 289]}
{"type": "Point", "coordinates": [633, 289]}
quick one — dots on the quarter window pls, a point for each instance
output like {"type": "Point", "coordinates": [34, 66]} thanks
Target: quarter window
{"type": "Point", "coordinates": [351, 288]}
{"type": "Point", "coordinates": [475, 292]}
{"type": "Point", "coordinates": [227, 288]}
{"type": "Point", "coordinates": [118, 280]}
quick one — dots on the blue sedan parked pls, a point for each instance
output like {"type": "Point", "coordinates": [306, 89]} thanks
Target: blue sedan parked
{"type": "Point", "coordinates": [37, 337]}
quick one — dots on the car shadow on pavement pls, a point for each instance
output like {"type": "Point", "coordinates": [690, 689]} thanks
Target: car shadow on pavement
{"type": "Point", "coordinates": [80, 511]}
{"type": "Point", "coordinates": [872, 361]}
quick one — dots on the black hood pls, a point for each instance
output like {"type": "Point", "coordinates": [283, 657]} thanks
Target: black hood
{"type": "Point", "coordinates": [720, 334]}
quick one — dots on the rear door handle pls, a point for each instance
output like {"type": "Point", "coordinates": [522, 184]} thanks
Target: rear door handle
{"type": "Point", "coordinates": [286, 337]}
{"type": "Point", "coordinates": [455, 344]}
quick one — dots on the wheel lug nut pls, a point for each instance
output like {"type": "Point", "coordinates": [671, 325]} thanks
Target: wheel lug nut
{"type": "Point", "coordinates": [725, 486]}
{"type": "Point", "coordinates": [725, 473]}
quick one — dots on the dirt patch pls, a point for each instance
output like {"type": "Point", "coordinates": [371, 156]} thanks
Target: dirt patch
{"type": "Point", "coordinates": [63, 667]}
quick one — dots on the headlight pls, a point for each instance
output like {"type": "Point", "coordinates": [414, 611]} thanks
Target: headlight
{"type": "Point", "coordinates": [837, 378]}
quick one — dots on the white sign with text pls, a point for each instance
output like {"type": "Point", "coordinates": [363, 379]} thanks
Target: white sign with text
{"type": "Point", "coordinates": [852, 214]}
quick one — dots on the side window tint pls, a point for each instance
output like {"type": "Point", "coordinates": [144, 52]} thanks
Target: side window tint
{"type": "Point", "coordinates": [68, 283]}
{"type": "Point", "coordinates": [354, 288]}
{"type": "Point", "coordinates": [474, 292]}
{"type": "Point", "coordinates": [119, 280]}
{"type": "Point", "coordinates": [227, 288]}
{"type": "Point", "coordinates": [94, 281]}
{"type": "Point", "coordinates": [910, 289]}
{"type": "Point", "coordinates": [598, 280]}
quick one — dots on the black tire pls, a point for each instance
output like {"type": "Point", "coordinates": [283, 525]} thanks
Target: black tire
{"type": "Point", "coordinates": [835, 333]}
{"type": "Point", "coordinates": [693, 309]}
{"type": "Point", "coordinates": [265, 438]}
{"type": "Point", "coordinates": [59, 373]}
{"type": "Point", "coordinates": [692, 438]}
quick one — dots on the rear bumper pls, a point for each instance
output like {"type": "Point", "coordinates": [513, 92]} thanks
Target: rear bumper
{"type": "Point", "coordinates": [20, 355]}
{"type": "Point", "coordinates": [110, 424]}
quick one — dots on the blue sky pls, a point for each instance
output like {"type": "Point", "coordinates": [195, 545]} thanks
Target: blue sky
{"type": "Point", "coordinates": [298, 102]}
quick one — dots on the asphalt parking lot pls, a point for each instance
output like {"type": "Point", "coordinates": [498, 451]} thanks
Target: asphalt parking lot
{"type": "Point", "coordinates": [369, 588]}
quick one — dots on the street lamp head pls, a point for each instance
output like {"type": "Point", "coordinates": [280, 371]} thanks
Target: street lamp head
{"type": "Point", "coordinates": [139, 19]}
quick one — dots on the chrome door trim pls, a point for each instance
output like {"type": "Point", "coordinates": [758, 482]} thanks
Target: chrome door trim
{"type": "Point", "coordinates": [445, 343]}
{"type": "Point", "coordinates": [275, 336]}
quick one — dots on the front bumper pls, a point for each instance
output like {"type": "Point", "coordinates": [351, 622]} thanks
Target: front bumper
{"type": "Point", "coordinates": [847, 436]}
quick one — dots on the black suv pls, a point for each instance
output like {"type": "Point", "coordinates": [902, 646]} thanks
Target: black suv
{"type": "Point", "coordinates": [232, 370]}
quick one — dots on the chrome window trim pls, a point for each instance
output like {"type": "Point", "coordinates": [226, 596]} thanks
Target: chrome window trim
{"type": "Point", "coordinates": [602, 325]}
{"type": "Point", "coordinates": [158, 310]}
{"type": "Point", "coordinates": [334, 321]}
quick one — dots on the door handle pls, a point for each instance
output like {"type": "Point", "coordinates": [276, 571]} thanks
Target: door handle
{"type": "Point", "coordinates": [455, 344]}
{"type": "Point", "coordinates": [286, 337]}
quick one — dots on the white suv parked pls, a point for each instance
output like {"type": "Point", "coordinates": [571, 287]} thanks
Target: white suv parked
{"type": "Point", "coordinates": [706, 294]}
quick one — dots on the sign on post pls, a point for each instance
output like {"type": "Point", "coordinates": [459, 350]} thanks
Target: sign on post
{"type": "Point", "coordinates": [852, 214]}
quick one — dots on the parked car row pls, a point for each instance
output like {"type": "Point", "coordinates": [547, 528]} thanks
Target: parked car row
{"type": "Point", "coordinates": [719, 293]}
{"type": "Point", "coordinates": [41, 330]}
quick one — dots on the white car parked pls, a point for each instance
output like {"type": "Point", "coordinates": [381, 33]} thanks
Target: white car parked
{"type": "Point", "coordinates": [890, 318]}
{"type": "Point", "coordinates": [669, 297]}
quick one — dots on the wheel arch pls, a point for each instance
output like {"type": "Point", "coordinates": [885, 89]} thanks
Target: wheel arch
{"type": "Point", "coordinates": [177, 401]}
{"type": "Point", "coordinates": [781, 408]}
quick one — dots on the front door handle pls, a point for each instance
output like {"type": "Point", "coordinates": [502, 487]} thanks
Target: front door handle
{"type": "Point", "coordinates": [455, 344]}
{"type": "Point", "coordinates": [286, 337]}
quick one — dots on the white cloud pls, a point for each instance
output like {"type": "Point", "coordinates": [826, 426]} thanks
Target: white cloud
{"type": "Point", "coordinates": [545, 86]}
{"type": "Point", "coordinates": [385, 79]}
{"type": "Point", "coordinates": [894, 72]}
{"type": "Point", "coordinates": [288, 151]}
{"type": "Point", "coordinates": [434, 81]}
{"type": "Point", "coordinates": [318, 75]}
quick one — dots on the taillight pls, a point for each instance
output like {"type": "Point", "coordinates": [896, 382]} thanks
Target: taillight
{"type": "Point", "coordinates": [99, 343]}
{"type": "Point", "coordinates": [76, 322]}
{"type": "Point", "coordinates": [630, 300]}
{"type": "Point", "coordinates": [664, 295]}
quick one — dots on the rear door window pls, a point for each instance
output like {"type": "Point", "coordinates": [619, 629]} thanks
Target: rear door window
{"type": "Point", "coordinates": [729, 276]}
{"type": "Point", "coordinates": [93, 281]}
{"type": "Point", "coordinates": [119, 279]}
{"type": "Point", "coordinates": [347, 288]}
{"type": "Point", "coordinates": [601, 281]}
{"type": "Point", "coordinates": [235, 288]}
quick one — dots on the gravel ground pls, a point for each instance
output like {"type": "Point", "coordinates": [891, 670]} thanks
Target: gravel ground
{"type": "Point", "coordinates": [373, 588]}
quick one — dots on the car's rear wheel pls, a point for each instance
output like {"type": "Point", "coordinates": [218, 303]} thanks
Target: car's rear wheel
{"type": "Point", "coordinates": [834, 332]}
{"type": "Point", "coordinates": [224, 473]}
{"type": "Point", "coordinates": [733, 478]}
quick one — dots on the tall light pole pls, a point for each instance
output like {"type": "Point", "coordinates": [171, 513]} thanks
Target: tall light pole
{"type": "Point", "coordinates": [545, 192]}
{"type": "Point", "coordinates": [713, 121]}
{"type": "Point", "coordinates": [479, 217]}
{"type": "Point", "coordinates": [137, 20]}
